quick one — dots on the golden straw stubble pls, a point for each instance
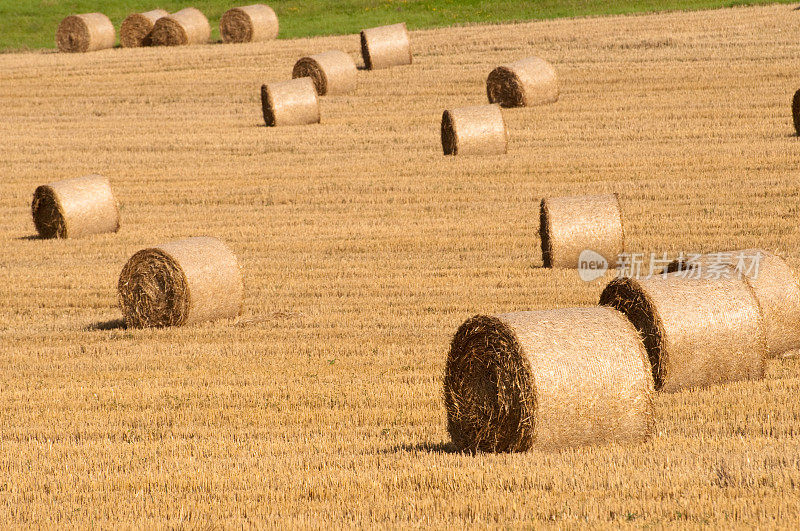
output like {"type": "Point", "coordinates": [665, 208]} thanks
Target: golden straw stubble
{"type": "Point", "coordinates": [547, 380]}
{"type": "Point", "coordinates": [74, 208]}
{"type": "Point", "coordinates": [570, 225]}
{"type": "Point", "coordinates": [774, 284]}
{"type": "Point", "coordinates": [386, 46]}
{"type": "Point", "coordinates": [527, 82]}
{"type": "Point", "coordinates": [187, 26]}
{"type": "Point", "coordinates": [180, 282]}
{"type": "Point", "coordinates": [697, 331]}
{"type": "Point", "coordinates": [479, 130]}
{"type": "Point", "coordinates": [333, 72]}
{"type": "Point", "coordinates": [253, 23]}
{"type": "Point", "coordinates": [136, 28]}
{"type": "Point", "coordinates": [292, 102]}
{"type": "Point", "coordinates": [85, 33]}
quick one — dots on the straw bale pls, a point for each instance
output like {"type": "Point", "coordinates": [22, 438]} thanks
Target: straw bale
{"type": "Point", "coordinates": [524, 83]}
{"type": "Point", "coordinates": [386, 46]}
{"type": "Point", "coordinates": [187, 26]}
{"type": "Point", "coordinates": [74, 208]}
{"type": "Point", "coordinates": [85, 33]}
{"type": "Point", "coordinates": [333, 72]}
{"type": "Point", "coordinates": [136, 28]}
{"type": "Point", "coordinates": [253, 23]}
{"type": "Point", "coordinates": [479, 130]}
{"type": "Point", "coordinates": [547, 380]}
{"type": "Point", "coordinates": [292, 102]}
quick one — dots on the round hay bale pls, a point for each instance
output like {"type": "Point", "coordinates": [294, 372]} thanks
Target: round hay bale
{"type": "Point", "coordinates": [85, 33]}
{"type": "Point", "coordinates": [385, 46]}
{"type": "Point", "coordinates": [180, 282]}
{"type": "Point", "coordinates": [697, 331]}
{"type": "Point", "coordinates": [187, 26]}
{"type": "Point", "coordinates": [774, 284]}
{"type": "Point", "coordinates": [570, 225]}
{"type": "Point", "coordinates": [136, 28]}
{"type": "Point", "coordinates": [333, 72]}
{"type": "Point", "coordinates": [527, 82]}
{"type": "Point", "coordinates": [479, 130]}
{"type": "Point", "coordinates": [547, 380]}
{"type": "Point", "coordinates": [292, 102]}
{"type": "Point", "coordinates": [796, 112]}
{"type": "Point", "coordinates": [254, 23]}
{"type": "Point", "coordinates": [75, 207]}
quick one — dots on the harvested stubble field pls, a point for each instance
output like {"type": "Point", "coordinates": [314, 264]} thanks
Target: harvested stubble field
{"type": "Point", "coordinates": [363, 250]}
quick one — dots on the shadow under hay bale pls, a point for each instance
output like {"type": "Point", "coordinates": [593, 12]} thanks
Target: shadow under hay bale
{"type": "Point", "coordinates": [774, 284]}
{"type": "Point", "coordinates": [180, 282]}
{"type": "Point", "coordinates": [85, 33]}
{"type": "Point", "coordinates": [570, 225]}
{"type": "Point", "coordinates": [136, 28]}
{"type": "Point", "coordinates": [698, 332]}
{"type": "Point", "coordinates": [524, 83]}
{"type": "Point", "coordinates": [386, 46]}
{"type": "Point", "coordinates": [74, 208]}
{"type": "Point", "coordinates": [292, 102]}
{"type": "Point", "coordinates": [333, 72]}
{"type": "Point", "coordinates": [479, 130]}
{"type": "Point", "coordinates": [547, 380]}
{"type": "Point", "coordinates": [187, 26]}
{"type": "Point", "coordinates": [255, 23]}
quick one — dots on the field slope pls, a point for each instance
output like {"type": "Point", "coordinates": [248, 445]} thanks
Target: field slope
{"type": "Point", "coordinates": [31, 24]}
{"type": "Point", "coordinates": [363, 249]}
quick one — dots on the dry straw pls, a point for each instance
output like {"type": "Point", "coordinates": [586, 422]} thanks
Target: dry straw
{"type": "Point", "coordinates": [386, 46]}
{"type": "Point", "coordinates": [333, 72]}
{"type": "Point", "coordinates": [697, 331]}
{"type": "Point", "coordinates": [570, 225]}
{"type": "Point", "coordinates": [775, 286]}
{"type": "Point", "coordinates": [254, 23]}
{"type": "Point", "coordinates": [479, 130]}
{"type": "Point", "coordinates": [136, 28]}
{"type": "Point", "coordinates": [75, 207]}
{"type": "Point", "coordinates": [180, 282]}
{"type": "Point", "coordinates": [292, 102]}
{"type": "Point", "coordinates": [547, 380]}
{"type": "Point", "coordinates": [85, 33]}
{"type": "Point", "coordinates": [527, 82]}
{"type": "Point", "coordinates": [796, 111]}
{"type": "Point", "coordinates": [187, 26]}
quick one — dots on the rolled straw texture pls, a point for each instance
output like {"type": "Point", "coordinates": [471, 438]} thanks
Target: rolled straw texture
{"type": "Point", "coordinates": [570, 225]}
{"type": "Point", "coordinates": [697, 331]}
{"type": "Point", "coordinates": [292, 102]}
{"type": "Point", "coordinates": [479, 130]}
{"type": "Point", "coordinates": [774, 284]}
{"type": "Point", "coordinates": [180, 282]}
{"type": "Point", "coordinates": [796, 111]}
{"type": "Point", "coordinates": [85, 33]}
{"type": "Point", "coordinates": [187, 26]}
{"type": "Point", "coordinates": [547, 380]}
{"type": "Point", "coordinates": [527, 82]}
{"type": "Point", "coordinates": [386, 46]}
{"type": "Point", "coordinates": [253, 23]}
{"type": "Point", "coordinates": [333, 72]}
{"type": "Point", "coordinates": [75, 208]}
{"type": "Point", "coordinates": [136, 28]}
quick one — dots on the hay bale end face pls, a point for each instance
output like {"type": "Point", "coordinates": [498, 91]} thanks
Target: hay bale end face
{"type": "Point", "coordinates": [479, 130]}
{"type": "Point", "coordinates": [136, 28]}
{"type": "Point", "coordinates": [187, 26]}
{"type": "Point", "coordinates": [333, 72]}
{"type": "Point", "coordinates": [697, 332]}
{"type": "Point", "coordinates": [180, 282]}
{"type": "Point", "coordinates": [547, 380]}
{"type": "Point", "coordinates": [796, 112]}
{"type": "Point", "coordinates": [253, 23]}
{"type": "Point", "coordinates": [85, 33]}
{"type": "Point", "coordinates": [292, 102]}
{"type": "Point", "coordinates": [530, 81]}
{"type": "Point", "coordinates": [570, 225]}
{"type": "Point", "coordinates": [774, 284]}
{"type": "Point", "coordinates": [75, 208]}
{"type": "Point", "coordinates": [386, 46]}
